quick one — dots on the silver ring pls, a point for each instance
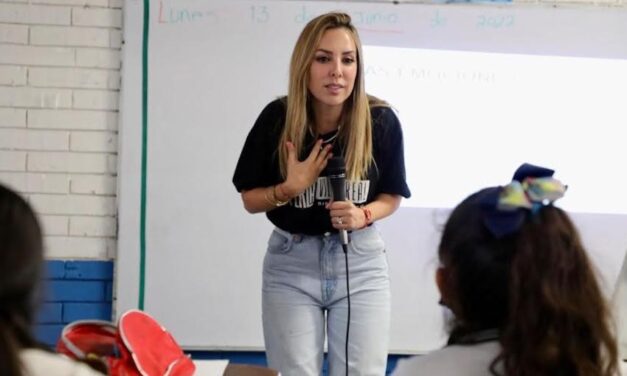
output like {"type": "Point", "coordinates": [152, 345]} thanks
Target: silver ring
{"type": "Point", "coordinates": [339, 220]}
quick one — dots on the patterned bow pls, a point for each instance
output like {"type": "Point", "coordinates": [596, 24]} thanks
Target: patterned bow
{"type": "Point", "coordinates": [532, 187]}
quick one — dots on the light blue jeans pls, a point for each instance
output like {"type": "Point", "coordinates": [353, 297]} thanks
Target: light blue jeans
{"type": "Point", "coordinates": [304, 298]}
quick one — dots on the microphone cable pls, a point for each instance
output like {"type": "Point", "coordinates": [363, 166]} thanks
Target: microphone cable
{"type": "Point", "coordinates": [336, 168]}
{"type": "Point", "coordinates": [348, 299]}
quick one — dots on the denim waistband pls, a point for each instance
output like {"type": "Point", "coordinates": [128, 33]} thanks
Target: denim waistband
{"type": "Point", "coordinates": [328, 235]}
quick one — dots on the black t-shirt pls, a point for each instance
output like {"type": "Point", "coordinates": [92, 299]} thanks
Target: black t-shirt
{"type": "Point", "coordinates": [258, 166]}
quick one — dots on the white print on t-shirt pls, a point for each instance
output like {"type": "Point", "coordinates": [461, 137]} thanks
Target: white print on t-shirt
{"type": "Point", "coordinates": [320, 192]}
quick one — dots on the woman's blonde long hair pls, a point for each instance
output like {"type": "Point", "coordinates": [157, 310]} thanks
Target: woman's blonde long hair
{"type": "Point", "coordinates": [356, 130]}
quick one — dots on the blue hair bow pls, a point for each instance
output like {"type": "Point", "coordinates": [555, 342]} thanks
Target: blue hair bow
{"type": "Point", "coordinates": [506, 207]}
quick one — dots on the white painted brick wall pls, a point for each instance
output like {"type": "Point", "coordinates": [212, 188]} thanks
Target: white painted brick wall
{"type": "Point", "coordinates": [59, 91]}
{"type": "Point", "coordinates": [12, 160]}
{"type": "Point", "coordinates": [12, 117]}
{"type": "Point", "coordinates": [34, 14]}
{"type": "Point", "coordinates": [67, 247]}
{"type": "Point", "coordinates": [33, 55]}
{"type": "Point", "coordinates": [92, 226]}
{"type": "Point", "coordinates": [13, 33]}
{"type": "Point", "coordinates": [98, 58]}
{"type": "Point", "coordinates": [37, 182]}
{"type": "Point", "coordinates": [94, 141]}
{"type": "Point", "coordinates": [70, 78]}
{"type": "Point", "coordinates": [68, 36]}
{"type": "Point", "coordinates": [35, 97]}
{"type": "Point", "coordinates": [36, 140]}
{"type": "Point", "coordinates": [72, 119]}
{"type": "Point", "coordinates": [55, 224]}
{"type": "Point", "coordinates": [93, 185]}
{"type": "Point", "coordinates": [12, 75]}
{"type": "Point", "coordinates": [97, 17]}
{"type": "Point", "coordinates": [95, 99]}
{"type": "Point", "coordinates": [73, 204]}
{"type": "Point", "coordinates": [96, 3]}
{"type": "Point", "coordinates": [83, 163]}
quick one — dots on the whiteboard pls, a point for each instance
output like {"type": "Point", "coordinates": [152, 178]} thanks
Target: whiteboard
{"type": "Point", "coordinates": [188, 252]}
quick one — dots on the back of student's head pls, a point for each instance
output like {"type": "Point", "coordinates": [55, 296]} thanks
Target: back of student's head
{"type": "Point", "coordinates": [20, 269]}
{"type": "Point", "coordinates": [518, 265]}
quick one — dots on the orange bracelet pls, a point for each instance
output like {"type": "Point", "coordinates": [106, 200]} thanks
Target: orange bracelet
{"type": "Point", "coordinates": [368, 215]}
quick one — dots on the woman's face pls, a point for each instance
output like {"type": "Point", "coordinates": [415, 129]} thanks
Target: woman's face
{"type": "Point", "coordinates": [333, 69]}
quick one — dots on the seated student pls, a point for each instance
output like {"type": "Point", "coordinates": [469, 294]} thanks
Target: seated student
{"type": "Point", "coordinates": [21, 263]}
{"type": "Point", "coordinates": [524, 295]}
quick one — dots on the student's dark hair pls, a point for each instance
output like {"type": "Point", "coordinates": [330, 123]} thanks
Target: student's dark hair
{"type": "Point", "coordinates": [21, 261]}
{"type": "Point", "coordinates": [536, 286]}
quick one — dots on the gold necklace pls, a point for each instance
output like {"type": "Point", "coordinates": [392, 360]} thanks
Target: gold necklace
{"type": "Point", "coordinates": [337, 132]}
{"type": "Point", "coordinates": [332, 137]}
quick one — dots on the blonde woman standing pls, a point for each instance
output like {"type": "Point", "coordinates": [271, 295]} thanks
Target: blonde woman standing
{"type": "Point", "coordinates": [281, 171]}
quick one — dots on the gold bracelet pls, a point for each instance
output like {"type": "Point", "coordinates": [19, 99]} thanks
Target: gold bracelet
{"type": "Point", "coordinates": [280, 187]}
{"type": "Point", "coordinates": [265, 195]}
{"type": "Point", "coordinates": [277, 202]}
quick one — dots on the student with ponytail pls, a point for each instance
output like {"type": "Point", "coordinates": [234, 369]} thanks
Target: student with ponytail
{"type": "Point", "coordinates": [21, 263]}
{"type": "Point", "coordinates": [524, 295]}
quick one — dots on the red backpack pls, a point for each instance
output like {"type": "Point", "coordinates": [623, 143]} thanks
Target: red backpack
{"type": "Point", "coordinates": [138, 345]}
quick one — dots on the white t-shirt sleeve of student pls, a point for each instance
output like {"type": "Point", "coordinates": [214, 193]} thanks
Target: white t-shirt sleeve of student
{"type": "Point", "coordinates": [41, 363]}
{"type": "Point", "coordinates": [472, 360]}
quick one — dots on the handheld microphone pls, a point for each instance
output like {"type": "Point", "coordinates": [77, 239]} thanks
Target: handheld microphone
{"type": "Point", "coordinates": [337, 178]}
